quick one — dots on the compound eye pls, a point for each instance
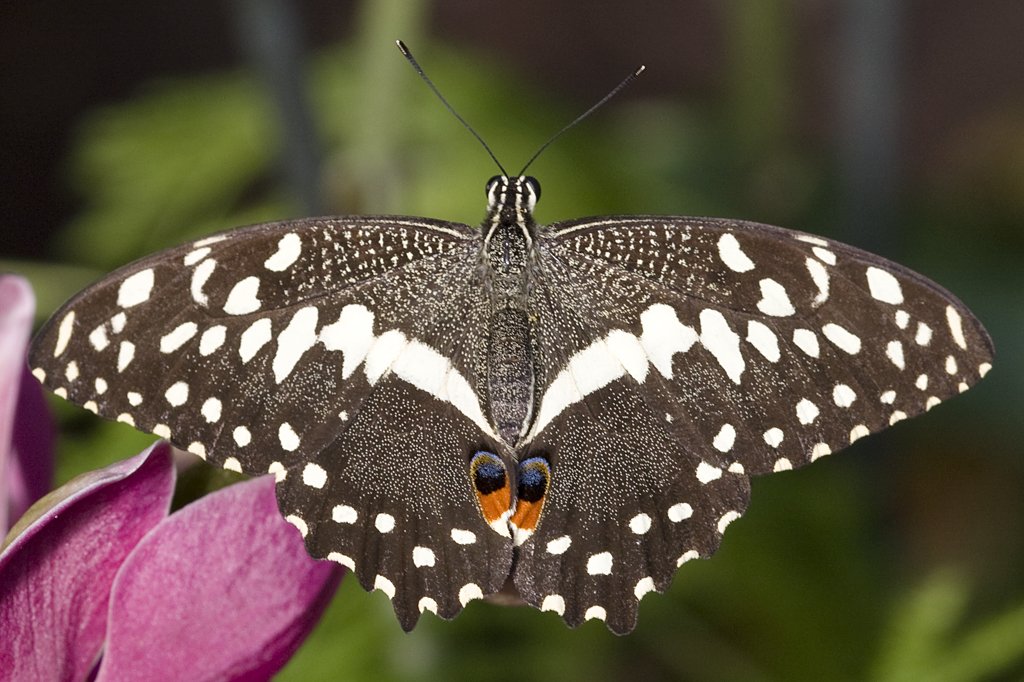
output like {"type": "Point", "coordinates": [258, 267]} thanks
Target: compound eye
{"type": "Point", "coordinates": [492, 188]}
{"type": "Point", "coordinates": [532, 191]}
{"type": "Point", "coordinates": [534, 186]}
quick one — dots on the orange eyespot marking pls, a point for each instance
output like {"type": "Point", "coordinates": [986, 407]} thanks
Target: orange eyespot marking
{"type": "Point", "coordinates": [532, 486]}
{"type": "Point", "coordinates": [493, 493]}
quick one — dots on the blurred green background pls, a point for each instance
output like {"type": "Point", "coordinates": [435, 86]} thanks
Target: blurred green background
{"type": "Point", "coordinates": [895, 126]}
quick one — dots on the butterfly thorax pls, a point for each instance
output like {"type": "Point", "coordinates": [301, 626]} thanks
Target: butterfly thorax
{"type": "Point", "coordinates": [509, 232]}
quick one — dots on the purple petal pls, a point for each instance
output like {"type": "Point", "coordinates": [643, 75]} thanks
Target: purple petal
{"type": "Point", "coordinates": [223, 589]}
{"type": "Point", "coordinates": [17, 304]}
{"type": "Point", "coordinates": [55, 575]}
{"type": "Point", "coordinates": [30, 467]}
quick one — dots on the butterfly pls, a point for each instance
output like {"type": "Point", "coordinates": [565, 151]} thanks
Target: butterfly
{"type": "Point", "coordinates": [570, 411]}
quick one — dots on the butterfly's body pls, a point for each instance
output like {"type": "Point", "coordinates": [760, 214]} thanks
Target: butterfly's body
{"type": "Point", "coordinates": [577, 408]}
{"type": "Point", "coordinates": [509, 258]}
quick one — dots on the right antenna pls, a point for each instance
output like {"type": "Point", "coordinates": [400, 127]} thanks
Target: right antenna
{"type": "Point", "coordinates": [626, 81]}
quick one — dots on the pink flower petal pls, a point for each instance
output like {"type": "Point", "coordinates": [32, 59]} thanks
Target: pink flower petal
{"type": "Point", "coordinates": [17, 304]}
{"type": "Point", "coordinates": [223, 589]}
{"type": "Point", "coordinates": [30, 466]}
{"type": "Point", "coordinates": [55, 575]}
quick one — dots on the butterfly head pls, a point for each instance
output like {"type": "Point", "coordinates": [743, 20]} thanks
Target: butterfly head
{"type": "Point", "coordinates": [512, 198]}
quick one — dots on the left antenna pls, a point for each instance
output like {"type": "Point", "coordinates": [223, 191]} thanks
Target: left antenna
{"type": "Point", "coordinates": [430, 84]}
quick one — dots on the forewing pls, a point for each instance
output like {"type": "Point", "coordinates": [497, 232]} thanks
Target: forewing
{"type": "Point", "coordinates": [261, 348]}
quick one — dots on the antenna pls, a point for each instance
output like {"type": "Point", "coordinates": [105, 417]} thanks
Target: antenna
{"type": "Point", "coordinates": [626, 81]}
{"type": "Point", "coordinates": [430, 84]}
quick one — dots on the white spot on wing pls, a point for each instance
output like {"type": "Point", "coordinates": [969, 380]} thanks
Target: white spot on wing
{"type": "Point", "coordinates": [725, 438]}
{"type": "Point", "coordinates": [951, 367]}
{"type": "Point", "coordinates": [427, 604]}
{"type": "Point", "coordinates": [883, 286]}
{"type": "Point", "coordinates": [212, 339]}
{"type": "Point", "coordinates": [254, 338]}
{"type": "Point", "coordinates": [352, 334]}
{"type": "Point", "coordinates": [680, 511]}
{"type": "Point", "coordinates": [278, 470]}
{"type": "Point", "coordinates": [727, 518]}
{"type": "Point", "coordinates": [314, 476]}
{"type": "Point", "coordinates": [629, 351]}
{"type": "Point", "coordinates": [344, 560]}
{"type": "Point", "coordinates": [894, 351]}
{"type": "Point", "coordinates": [643, 586]}
{"type": "Point", "coordinates": [858, 432]}
{"type": "Point", "coordinates": [199, 277]}
{"type": "Point", "coordinates": [243, 298]}
{"type": "Point", "coordinates": [98, 338]}
{"type": "Point", "coordinates": [806, 411]}
{"type": "Point", "coordinates": [640, 524]}
{"type": "Point", "coordinates": [384, 585]}
{"type": "Point", "coordinates": [118, 321]}
{"type": "Point", "coordinates": [663, 336]}
{"type": "Point", "coordinates": [177, 394]}
{"type": "Point", "coordinates": [819, 275]}
{"type": "Point", "coordinates": [135, 289]}
{"type": "Point", "coordinates": [177, 338]}
{"type": "Point", "coordinates": [773, 436]}
{"type": "Point", "coordinates": [343, 513]}
{"type": "Point", "coordinates": [595, 613]}
{"type": "Point", "coordinates": [385, 350]}
{"type": "Point", "coordinates": [423, 557]}
{"type": "Point", "coordinates": [732, 255]}
{"type": "Point", "coordinates": [956, 327]}
{"type": "Point", "coordinates": [193, 257]}
{"type": "Point", "coordinates": [707, 473]}
{"type": "Point", "coordinates": [810, 239]}
{"type": "Point", "coordinates": [463, 537]}
{"type": "Point", "coordinates": [469, 592]}
{"type": "Point", "coordinates": [843, 395]}
{"type": "Point", "coordinates": [553, 602]}
{"type": "Point", "coordinates": [824, 255]}
{"type": "Point", "coordinates": [841, 338]}
{"type": "Point", "coordinates": [774, 299]}
{"type": "Point", "coordinates": [383, 522]}
{"type": "Point", "coordinates": [559, 545]}
{"type": "Point", "coordinates": [232, 464]}
{"type": "Point", "coordinates": [125, 355]}
{"type": "Point", "coordinates": [761, 337]}
{"type": "Point", "coordinates": [722, 342]}
{"type": "Point", "coordinates": [288, 438]}
{"type": "Point", "coordinates": [67, 325]}
{"type": "Point", "coordinates": [807, 341]}
{"type": "Point", "coordinates": [600, 563]}
{"type": "Point", "coordinates": [820, 450]}
{"type": "Point", "coordinates": [687, 556]}
{"type": "Point", "coordinates": [924, 334]}
{"type": "Point", "coordinates": [782, 464]}
{"type": "Point", "coordinates": [298, 337]}
{"type": "Point", "coordinates": [241, 436]}
{"type": "Point", "coordinates": [289, 248]}
{"type": "Point", "coordinates": [303, 528]}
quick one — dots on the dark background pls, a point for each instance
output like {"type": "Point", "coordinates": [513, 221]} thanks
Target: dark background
{"type": "Point", "coordinates": [895, 126]}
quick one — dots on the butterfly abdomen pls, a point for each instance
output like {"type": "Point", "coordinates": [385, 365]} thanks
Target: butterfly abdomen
{"type": "Point", "coordinates": [510, 376]}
